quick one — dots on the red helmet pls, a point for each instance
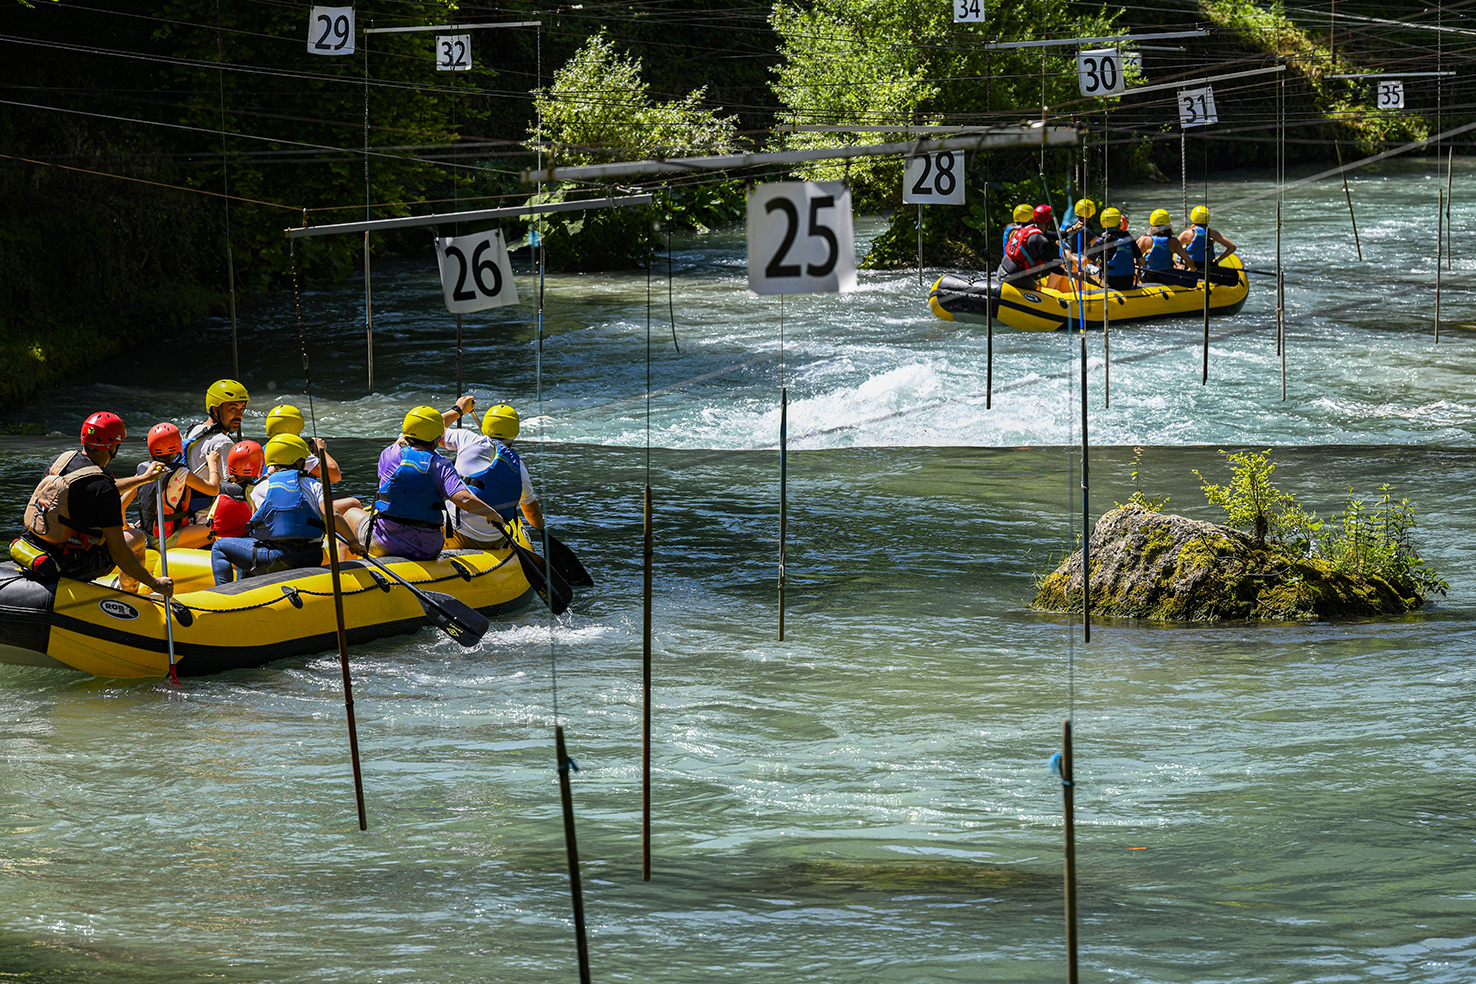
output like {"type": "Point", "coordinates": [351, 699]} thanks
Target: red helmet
{"type": "Point", "coordinates": [103, 430]}
{"type": "Point", "coordinates": [164, 441]}
{"type": "Point", "coordinates": [1044, 215]}
{"type": "Point", "coordinates": [245, 458]}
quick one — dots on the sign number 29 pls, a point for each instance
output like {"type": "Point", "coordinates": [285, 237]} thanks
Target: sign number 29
{"type": "Point", "coordinates": [331, 31]}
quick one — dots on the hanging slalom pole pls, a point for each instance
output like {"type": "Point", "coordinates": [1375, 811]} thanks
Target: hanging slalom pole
{"type": "Point", "coordinates": [368, 314]}
{"type": "Point", "coordinates": [1086, 517]}
{"type": "Point", "coordinates": [1349, 196]}
{"type": "Point", "coordinates": [1061, 766]}
{"type": "Point", "coordinates": [576, 892]}
{"type": "Point", "coordinates": [1449, 179]}
{"type": "Point", "coordinates": [329, 522]}
{"type": "Point", "coordinates": [1439, 243]}
{"type": "Point", "coordinates": [649, 553]}
{"type": "Point", "coordinates": [783, 465]}
{"type": "Point", "coordinates": [988, 309]}
{"type": "Point", "coordinates": [919, 246]}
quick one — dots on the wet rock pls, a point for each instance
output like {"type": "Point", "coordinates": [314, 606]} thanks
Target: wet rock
{"type": "Point", "coordinates": [1146, 564]}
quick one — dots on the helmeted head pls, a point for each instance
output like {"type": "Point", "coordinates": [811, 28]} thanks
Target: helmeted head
{"type": "Point", "coordinates": [165, 441]}
{"type": "Point", "coordinates": [1111, 218]}
{"type": "Point", "coordinates": [283, 419]}
{"type": "Point", "coordinates": [246, 460]}
{"type": "Point", "coordinates": [1199, 215]}
{"type": "Point", "coordinates": [225, 401]}
{"type": "Point", "coordinates": [1085, 208]}
{"type": "Point", "coordinates": [284, 450]}
{"type": "Point", "coordinates": [104, 430]}
{"type": "Point", "coordinates": [1023, 214]}
{"type": "Point", "coordinates": [1159, 217]}
{"type": "Point", "coordinates": [1043, 215]}
{"type": "Point", "coordinates": [424, 424]}
{"type": "Point", "coordinates": [501, 422]}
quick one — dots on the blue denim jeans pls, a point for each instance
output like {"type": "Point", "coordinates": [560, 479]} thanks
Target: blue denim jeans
{"type": "Point", "coordinates": [250, 556]}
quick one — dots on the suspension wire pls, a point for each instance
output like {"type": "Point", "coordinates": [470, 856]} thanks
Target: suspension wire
{"type": "Point", "coordinates": [225, 181]}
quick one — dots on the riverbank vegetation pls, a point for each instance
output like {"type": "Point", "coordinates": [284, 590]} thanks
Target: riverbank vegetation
{"type": "Point", "coordinates": [154, 152]}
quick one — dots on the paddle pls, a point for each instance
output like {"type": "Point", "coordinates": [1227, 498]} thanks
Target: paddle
{"type": "Point", "coordinates": [164, 572]}
{"type": "Point", "coordinates": [544, 579]}
{"type": "Point", "coordinates": [561, 558]}
{"type": "Point", "coordinates": [452, 616]}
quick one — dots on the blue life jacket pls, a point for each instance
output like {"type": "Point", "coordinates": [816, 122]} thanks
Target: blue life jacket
{"type": "Point", "coordinates": [287, 514]}
{"type": "Point", "coordinates": [1197, 246]}
{"type": "Point", "coordinates": [1005, 243]}
{"type": "Point", "coordinates": [1161, 255]}
{"type": "Point", "coordinates": [412, 496]}
{"type": "Point", "coordinates": [500, 484]}
{"type": "Point", "coordinates": [1120, 261]}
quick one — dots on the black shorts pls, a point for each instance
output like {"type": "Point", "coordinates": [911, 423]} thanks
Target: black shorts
{"type": "Point", "coordinates": [85, 565]}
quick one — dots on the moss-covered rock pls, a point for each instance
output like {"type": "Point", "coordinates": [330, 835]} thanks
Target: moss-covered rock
{"type": "Point", "coordinates": [1146, 564]}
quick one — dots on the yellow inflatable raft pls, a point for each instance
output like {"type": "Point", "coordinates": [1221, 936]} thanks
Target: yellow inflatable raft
{"type": "Point", "coordinates": [99, 629]}
{"type": "Point", "coordinates": [974, 300]}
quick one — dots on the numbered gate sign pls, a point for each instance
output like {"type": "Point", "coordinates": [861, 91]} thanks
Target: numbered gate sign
{"type": "Point", "coordinates": [331, 31]}
{"type": "Point", "coordinates": [968, 11]}
{"type": "Point", "coordinates": [800, 238]}
{"type": "Point", "coordinates": [1197, 107]}
{"type": "Point", "coordinates": [1132, 58]}
{"type": "Point", "coordinates": [453, 52]}
{"type": "Point", "coordinates": [1100, 72]}
{"type": "Point", "coordinates": [475, 272]}
{"type": "Point", "coordinates": [1391, 94]}
{"type": "Point", "coordinates": [934, 179]}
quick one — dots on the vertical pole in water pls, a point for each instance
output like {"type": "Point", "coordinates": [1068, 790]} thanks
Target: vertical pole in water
{"type": "Point", "coordinates": [459, 389]}
{"type": "Point", "coordinates": [368, 314]}
{"type": "Point", "coordinates": [646, 704]}
{"type": "Point", "coordinates": [1449, 177]}
{"type": "Point", "coordinates": [231, 286]}
{"type": "Point", "coordinates": [566, 765]}
{"type": "Point", "coordinates": [1069, 813]}
{"type": "Point", "coordinates": [783, 494]}
{"type": "Point", "coordinates": [988, 311]}
{"type": "Point", "coordinates": [1439, 242]}
{"type": "Point", "coordinates": [1280, 304]}
{"type": "Point", "coordinates": [1349, 196]}
{"type": "Point", "coordinates": [1106, 315]}
{"type": "Point", "coordinates": [1086, 519]}
{"type": "Point", "coordinates": [1184, 173]}
{"type": "Point", "coordinates": [919, 244]}
{"type": "Point", "coordinates": [343, 656]}
{"type": "Point", "coordinates": [1209, 249]}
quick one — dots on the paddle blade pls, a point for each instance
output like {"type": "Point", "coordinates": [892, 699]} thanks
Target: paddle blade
{"type": "Point", "coordinates": [545, 582]}
{"type": "Point", "coordinates": [566, 562]}
{"type": "Point", "coordinates": [457, 619]}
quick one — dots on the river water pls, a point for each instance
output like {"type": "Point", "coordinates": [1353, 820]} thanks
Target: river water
{"type": "Point", "coordinates": [867, 800]}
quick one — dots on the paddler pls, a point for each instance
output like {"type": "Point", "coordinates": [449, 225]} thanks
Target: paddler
{"type": "Point", "coordinates": [187, 496]}
{"type": "Point", "coordinates": [233, 508]}
{"type": "Point", "coordinates": [414, 482]}
{"type": "Point", "coordinates": [284, 418]}
{"type": "Point", "coordinates": [1117, 251]}
{"type": "Point", "coordinates": [1022, 216]}
{"type": "Point", "coordinates": [74, 519]}
{"type": "Point", "coordinates": [1196, 238]}
{"type": "Point", "coordinates": [225, 404]}
{"type": "Point", "coordinates": [286, 532]}
{"type": "Point", "coordinates": [489, 466]}
{"type": "Point", "coordinates": [1160, 246]}
{"type": "Point", "coordinates": [1030, 252]}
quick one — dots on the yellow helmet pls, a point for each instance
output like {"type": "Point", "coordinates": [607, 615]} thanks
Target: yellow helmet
{"type": "Point", "coordinates": [1024, 213]}
{"type": "Point", "coordinates": [225, 391]}
{"type": "Point", "coordinates": [285, 450]}
{"type": "Point", "coordinates": [1111, 218]}
{"type": "Point", "coordinates": [284, 419]}
{"type": "Point", "coordinates": [500, 422]}
{"type": "Point", "coordinates": [1199, 215]}
{"type": "Point", "coordinates": [1085, 209]}
{"type": "Point", "coordinates": [1160, 217]}
{"type": "Point", "coordinates": [424, 424]}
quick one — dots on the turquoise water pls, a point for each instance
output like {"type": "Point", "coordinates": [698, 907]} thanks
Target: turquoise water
{"type": "Point", "coordinates": [867, 800]}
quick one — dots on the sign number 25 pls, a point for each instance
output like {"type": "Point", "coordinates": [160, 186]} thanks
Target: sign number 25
{"type": "Point", "coordinates": [800, 238]}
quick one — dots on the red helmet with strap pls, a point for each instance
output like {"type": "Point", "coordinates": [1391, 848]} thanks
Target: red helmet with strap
{"type": "Point", "coordinates": [164, 441]}
{"type": "Point", "coordinates": [245, 458]}
{"type": "Point", "coordinates": [103, 430]}
{"type": "Point", "coordinates": [1044, 215]}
